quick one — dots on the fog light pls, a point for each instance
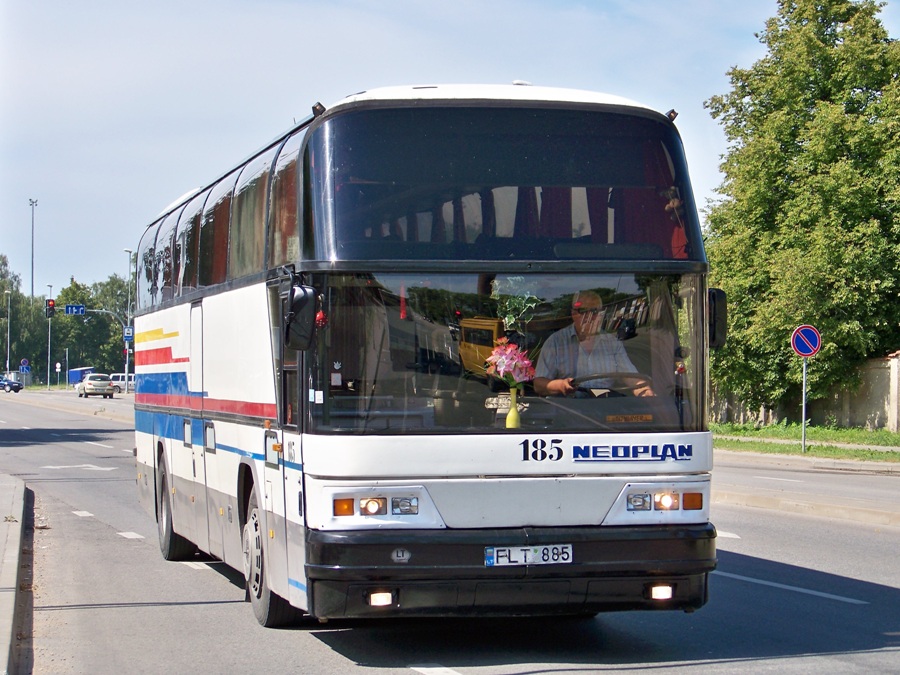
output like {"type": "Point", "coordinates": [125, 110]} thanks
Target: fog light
{"type": "Point", "coordinates": [381, 598]}
{"type": "Point", "coordinates": [661, 592]}
{"type": "Point", "coordinates": [665, 501]}
{"type": "Point", "coordinates": [639, 502]}
{"type": "Point", "coordinates": [373, 506]}
{"type": "Point", "coordinates": [404, 506]}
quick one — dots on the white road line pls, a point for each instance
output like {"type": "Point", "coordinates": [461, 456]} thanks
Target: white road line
{"type": "Point", "coordinates": [433, 669]}
{"type": "Point", "coordinates": [785, 480]}
{"type": "Point", "coordinates": [726, 535]}
{"type": "Point", "coordinates": [795, 589]}
{"type": "Point", "coordinates": [130, 535]}
{"type": "Point", "coordinates": [83, 514]}
{"type": "Point", "coordinates": [99, 445]}
{"type": "Point", "coordinates": [86, 467]}
{"type": "Point", "coordinates": [195, 565]}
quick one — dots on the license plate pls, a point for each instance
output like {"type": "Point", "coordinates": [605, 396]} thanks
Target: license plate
{"type": "Point", "coordinates": [503, 556]}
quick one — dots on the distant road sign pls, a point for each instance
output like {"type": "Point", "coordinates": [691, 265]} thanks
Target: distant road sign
{"type": "Point", "coordinates": [74, 309]}
{"type": "Point", "coordinates": [806, 341]}
{"type": "Point", "coordinates": [128, 334]}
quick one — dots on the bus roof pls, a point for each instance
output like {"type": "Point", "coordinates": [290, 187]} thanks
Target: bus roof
{"type": "Point", "coordinates": [518, 91]}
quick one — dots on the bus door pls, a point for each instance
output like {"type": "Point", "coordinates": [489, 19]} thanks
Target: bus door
{"type": "Point", "coordinates": [198, 449]}
{"type": "Point", "coordinates": [273, 497]}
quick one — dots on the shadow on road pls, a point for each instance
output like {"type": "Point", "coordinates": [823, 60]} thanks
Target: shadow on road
{"type": "Point", "coordinates": [776, 623]}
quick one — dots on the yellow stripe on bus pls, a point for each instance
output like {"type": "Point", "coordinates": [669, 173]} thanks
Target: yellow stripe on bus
{"type": "Point", "coordinates": [153, 335]}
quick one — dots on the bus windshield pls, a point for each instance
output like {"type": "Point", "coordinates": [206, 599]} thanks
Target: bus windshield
{"type": "Point", "coordinates": [406, 353]}
{"type": "Point", "coordinates": [459, 183]}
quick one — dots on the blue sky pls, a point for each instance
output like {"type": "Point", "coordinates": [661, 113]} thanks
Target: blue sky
{"type": "Point", "coordinates": [110, 110]}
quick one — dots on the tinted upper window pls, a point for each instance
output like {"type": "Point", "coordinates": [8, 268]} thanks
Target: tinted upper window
{"type": "Point", "coordinates": [498, 183]}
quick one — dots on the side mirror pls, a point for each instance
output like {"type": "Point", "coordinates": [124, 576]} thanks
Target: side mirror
{"type": "Point", "coordinates": [718, 317]}
{"type": "Point", "coordinates": [299, 317]}
{"type": "Point", "coordinates": [627, 330]}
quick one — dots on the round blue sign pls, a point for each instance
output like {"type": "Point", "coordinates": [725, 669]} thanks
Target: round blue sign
{"type": "Point", "coordinates": [806, 341]}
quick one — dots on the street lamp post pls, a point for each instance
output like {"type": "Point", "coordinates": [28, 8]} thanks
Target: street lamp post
{"type": "Point", "coordinates": [127, 316]}
{"type": "Point", "coordinates": [8, 321]}
{"type": "Point", "coordinates": [49, 323]}
{"type": "Point", "coordinates": [33, 203]}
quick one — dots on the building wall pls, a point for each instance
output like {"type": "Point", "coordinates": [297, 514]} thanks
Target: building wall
{"type": "Point", "coordinates": [875, 405]}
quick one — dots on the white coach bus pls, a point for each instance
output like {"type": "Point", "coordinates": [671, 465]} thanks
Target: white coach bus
{"type": "Point", "coordinates": [302, 411]}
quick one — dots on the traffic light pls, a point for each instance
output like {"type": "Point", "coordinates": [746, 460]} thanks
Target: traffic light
{"type": "Point", "coordinates": [49, 307]}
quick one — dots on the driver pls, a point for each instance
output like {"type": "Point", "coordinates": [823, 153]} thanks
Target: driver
{"type": "Point", "coordinates": [583, 349]}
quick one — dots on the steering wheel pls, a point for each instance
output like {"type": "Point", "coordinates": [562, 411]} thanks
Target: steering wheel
{"type": "Point", "coordinates": [619, 386]}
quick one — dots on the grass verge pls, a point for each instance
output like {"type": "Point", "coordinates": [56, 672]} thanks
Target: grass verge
{"type": "Point", "coordinates": [825, 442]}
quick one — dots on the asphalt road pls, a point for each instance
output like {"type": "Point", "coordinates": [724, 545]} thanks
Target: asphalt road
{"type": "Point", "coordinates": [793, 592]}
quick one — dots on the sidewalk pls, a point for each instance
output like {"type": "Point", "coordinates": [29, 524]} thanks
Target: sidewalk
{"type": "Point", "coordinates": [12, 508]}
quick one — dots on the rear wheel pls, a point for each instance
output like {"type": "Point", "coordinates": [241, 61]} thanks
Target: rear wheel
{"type": "Point", "coordinates": [172, 545]}
{"type": "Point", "coordinates": [270, 608]}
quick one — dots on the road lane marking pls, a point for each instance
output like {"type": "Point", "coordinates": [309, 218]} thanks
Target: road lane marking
{"type": "Point", "coordinates": [785, 480]}
{"type": "Point", "coordinates": [795, 589]}
{"type": "Point", "coordinates": [433, 669]}
{"type": "Point", "coordinates": [130, 535]}
{"type": "Point", "coordinates": [83, 514]}
{"type": "Point", "coordinates": [195, 565]}
{"type": "Point", "coordinates": [86, 467]}
{"type": "Point", "coordinates": [99, 445]}
{"type": "Point", "coordinates": [726, 535]}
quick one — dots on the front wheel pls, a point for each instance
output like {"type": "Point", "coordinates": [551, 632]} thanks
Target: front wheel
{"type": "Point", "coordinates": [270, 608]}
{"type": "Point", "coordinates": [172, 545]}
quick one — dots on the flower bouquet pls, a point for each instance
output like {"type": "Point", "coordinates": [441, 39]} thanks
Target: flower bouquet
{"type": "Point", "coordinates": [511, 365]}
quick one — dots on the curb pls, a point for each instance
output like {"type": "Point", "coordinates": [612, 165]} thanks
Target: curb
{"type": "Point", "coordinates": [13, 510]}
{"type": "Point", "coordinates": [750, 458]}
{"type": "Point", "coordinates": [859, 514]}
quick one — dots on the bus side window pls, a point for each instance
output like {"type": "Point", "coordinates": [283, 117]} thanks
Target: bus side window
{"type": "Point", "coordinates": [214, 232]}
{"type": "Point", "coordinates": [247, 230]}
{"type": "Point", "coordinates": [284, 235]}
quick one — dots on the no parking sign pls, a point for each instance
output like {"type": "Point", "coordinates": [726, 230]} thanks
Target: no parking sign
{"type": "Point", "coordinates": [806, 341]}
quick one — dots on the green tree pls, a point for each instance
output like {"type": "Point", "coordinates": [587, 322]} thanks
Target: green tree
{"type": "Point", "coordinates": [27, 325]}
{"type": "Point", "coordinates": [807, 229]}
{"type": "Point", "coordinates": [95, 338]}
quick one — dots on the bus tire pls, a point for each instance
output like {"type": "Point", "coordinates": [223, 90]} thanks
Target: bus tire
{"type": "Point", "coordinates": [172, 545]}
{"type": "Point", "coordinates": [270, 608]}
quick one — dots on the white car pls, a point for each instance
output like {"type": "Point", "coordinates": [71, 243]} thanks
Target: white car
{"type": "Point", "coordinates": [118, 380]}
{"type": "Point", "coordinates": [96, 384]}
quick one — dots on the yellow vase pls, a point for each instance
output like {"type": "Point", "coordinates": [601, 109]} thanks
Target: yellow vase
{"type": "Point", "coordinates": [512, 417]}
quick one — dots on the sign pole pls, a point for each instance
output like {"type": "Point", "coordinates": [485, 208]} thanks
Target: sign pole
{"type": "Point", "coordinates": [805, 341]}
{"type": "Point", "coordinates": [803, 431]}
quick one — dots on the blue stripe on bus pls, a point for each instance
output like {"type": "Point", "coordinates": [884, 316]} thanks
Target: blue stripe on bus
{"type": "Point", "coordinates": [171, 384]}
{"type": "Point", "coordinates": [172, 427]}
{"type": "Point", "coordinates": [297, 584]}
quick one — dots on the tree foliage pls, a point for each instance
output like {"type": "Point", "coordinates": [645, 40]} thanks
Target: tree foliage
{"type": "Point", "coordinates": [807, 229]}
{"type": "Point", "coordinates": [94, 339]}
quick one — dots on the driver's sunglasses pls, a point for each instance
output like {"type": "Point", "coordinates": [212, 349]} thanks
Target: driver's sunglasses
{"type": "Point", "coordinates": [593, 311]}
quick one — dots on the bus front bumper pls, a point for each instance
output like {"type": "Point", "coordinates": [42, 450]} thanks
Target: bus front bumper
{"type": "Point", "coordinates": [365, 574]}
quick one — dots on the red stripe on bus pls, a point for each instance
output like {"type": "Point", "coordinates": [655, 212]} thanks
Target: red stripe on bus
{"type": "Point", "coordinates": [157, 357]}
{"type": "Point", "coordinates": [247, 408]}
